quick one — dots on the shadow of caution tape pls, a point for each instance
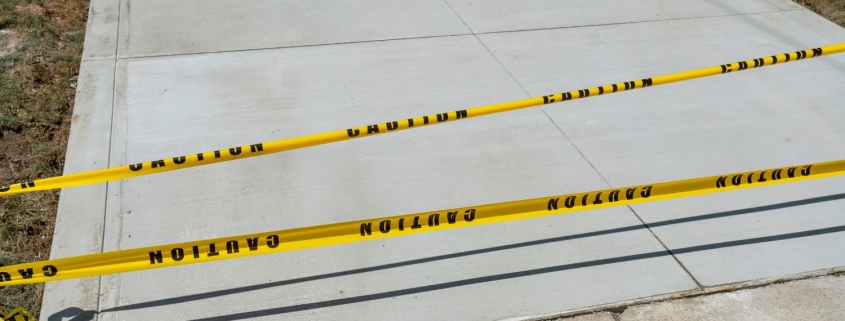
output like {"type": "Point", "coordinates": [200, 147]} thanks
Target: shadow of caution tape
{"type": "Point", "coordinates": [356, 231]}
{"type": "Point", "coordinates": [226, 154]}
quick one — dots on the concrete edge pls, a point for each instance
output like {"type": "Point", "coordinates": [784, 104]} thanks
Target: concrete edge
{"type": "Point", "coordinates": [620, 307]}
{"type": "Point", "coordinates": [101, 32]}
{"type": "Point", "coordinates": [81, 210]}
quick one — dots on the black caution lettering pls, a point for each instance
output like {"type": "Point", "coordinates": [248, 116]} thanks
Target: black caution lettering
{"type": "Point", "coordinates": [646, 192]}
{"type": "Point", "coordinates": [402, 224]}
{"type": "Point", "coordinates": [601, 90]}
{"type": "Point", "coordinates": [196, 251]}
{"type": "Point", "coordinates": [452, 217]}
{"type": "Point", "coordinates": [806, 170]}
{"type": "Point", "coordinates": [252, 243]}
{"type": "Point", "coordinates": [762, 177]}
{"type": "Point", "coordinates": [392, 125]}
{"type": "Point", "coordinates": [179, 160]}
{"type": "Point", "coordinates": [791, 172]}
{"type": "Point", "coordinates": [372, 129]}
{"type": "Point", "coordinates": [5, 277]}
{"type": "Point", "coordinates": [49, 270]}
{"type": "Point", "coordinates": [416, 224]}
{"type": "Point", "coordinates": [212, 250]}
{"type": "Point", "coordinates": [352, 132]}
{"type": "Point", "coordinates": [613, 196]}
{"type": "Point", "coordinates": [647, 82]}
{"type": "Point", "coordinates": [410, 122]}
{"type": "Point", "coordinates": [177, 254]}
{"type": "Point", "coordinates": [584, 200]}
{"type": "Point", "coordinates": [817, 52]}
{"type": "Point", "coordinates": [384, 226]}
{"type": "Point", "coordinates": [736, 180]}
{"type": "Point", "coordinates": [629, 193]}
{"type": "Point", "coordinates": [774, 59]}
{"type": "Point", "coordinates": [26, 274]}
{"type": "Point", "coordinates": [565, 96]}
{"type": "Point", "coordinates": [5, 188]}
{"type": "Point", "coordinates": [136, 167]}
{"type": "Point", "coordinates": [720, 182]}
{"type": "Point", "coordinates": [200, 157]}
{"type": "Point", "coordinates": [598, 200]}
{"type": "Point", "coordinates": [469, 215]}
{"type": "Point", "coordinates": [366, 228]}
{"type": "Point", "coordinates": [157, 163]}
{"type": "Point", "coordinates": [254, 148]}
{"type": "Point", "coordinates": [216, 154]}
{"type": "Point", "coordinates": [235, 151]}
{"type": "Point", "coordinates": [442, 117]}
{"type": "Point", "coordinates": [232, 247]}
{"type": "Point", "coordinates": [615, 88]}
{"type": "Point", "coordinates": [155, 257]}
{"type": "Point", "coordinates": [569, 202]}
{"type": "Point", "coordinates": [776, 174]}
{"type": "Point", "coordinates": [425, 120]}
{"type": "Point", "coordinates": [433, 220]}
{"type": "Point", "coordinates": [273, 241]}
{"type": "Point", "coordinates": [552, 205]}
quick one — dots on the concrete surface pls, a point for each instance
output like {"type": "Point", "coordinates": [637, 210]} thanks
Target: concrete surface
{"type": "Point", "coordinates": [814, 299]}
{"type": "Point", "coordinates": [149, 27]}
{"type": "Point", "coordinates": [281, 94]}
{"type": "Point", "coordinates": [503, 15]}
{"type": "Point", "coordinates": [192, 76]}
{"type": "Point", "coordinates": [705, 127]}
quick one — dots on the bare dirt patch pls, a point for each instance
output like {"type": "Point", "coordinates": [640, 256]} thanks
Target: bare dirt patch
{"type": "Point", "coordinates": [833, 10]}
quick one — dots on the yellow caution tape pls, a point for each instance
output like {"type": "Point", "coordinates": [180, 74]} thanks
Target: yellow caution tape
{"type": "Point", "coordinates": [18, 314]}
{"type": "Point", "coordinates": [191, 160]}
{"type": "Point", "coordinates": [348, 232]}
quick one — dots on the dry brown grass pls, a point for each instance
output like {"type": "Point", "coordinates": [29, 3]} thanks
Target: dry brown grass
{"type": "Point", "coordinates": [40, 49]}
{"type": "Point", "coordinates": [833, 10]}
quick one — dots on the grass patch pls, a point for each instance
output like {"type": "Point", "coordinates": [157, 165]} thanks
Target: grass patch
{"type": "Point", "coordinates": [40, 49]}
{"type": "Point", "coordinates": [833, 10]}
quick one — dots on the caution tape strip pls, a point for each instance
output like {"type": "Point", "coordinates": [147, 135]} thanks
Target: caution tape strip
{"type": "Point", "coordinates": [226, 154]}
{"type": "Point", "coordinates": [356, 231]}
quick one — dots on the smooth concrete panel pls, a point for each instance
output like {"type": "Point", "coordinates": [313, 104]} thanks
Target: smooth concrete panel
{"type": "Point", "coordinates": [505, 15]}
{"type": "Point", "coordinates": [101, 31]}
{"type": "Point", "coordinates": [79, 221]}
{"type": "Point", "coordinates": [756, 119]}
{"type": "Point", "coordinates": [178, 105]}
{"type": "Point", "coordinates": [163, 27]}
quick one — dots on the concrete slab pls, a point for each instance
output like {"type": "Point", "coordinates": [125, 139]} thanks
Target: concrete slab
{"type": "Point", "coordinates": [225, 99]}
{"type": "Point", "coordinates": [503, 15]}
{"type": "Point", "coordinates": [101, 32]}
{"type": "Point", "coordinates": [770, 117]}
{"type": "Point", "coordinates": [814, 299]}
{"type": "Point", "coordinates": [79, 223]}
{"type": "Point", "coordinates": [161, 27]}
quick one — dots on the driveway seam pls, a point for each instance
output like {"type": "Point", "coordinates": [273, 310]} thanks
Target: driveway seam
{"type": "Point", "coordinates": [444, 36]}
{"type": "Point", "coordinates": [571, 143]}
